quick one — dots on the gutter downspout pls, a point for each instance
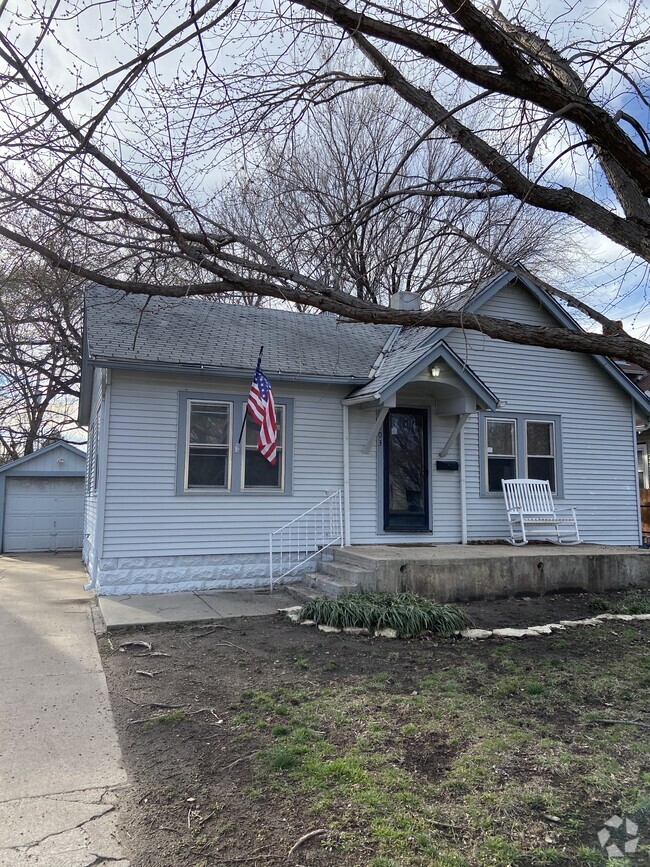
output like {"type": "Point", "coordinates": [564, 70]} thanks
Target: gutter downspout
{"type": "Point", "coordinates": [102, 472]}
{"type": "Point", "coordinates": [463, 491]}
{"type": "Point", "coordinates": [346, 475]}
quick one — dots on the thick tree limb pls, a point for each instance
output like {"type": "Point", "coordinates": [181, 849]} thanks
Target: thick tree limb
{"type": "Point", "coordinates": [616, 346]}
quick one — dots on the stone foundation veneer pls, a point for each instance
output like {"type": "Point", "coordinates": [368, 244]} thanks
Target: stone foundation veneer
{"type": "Point", "coordinates": [120, 576]}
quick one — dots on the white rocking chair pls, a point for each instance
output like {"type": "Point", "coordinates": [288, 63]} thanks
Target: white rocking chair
{"type": "Point", "coordinates": [533, 515]}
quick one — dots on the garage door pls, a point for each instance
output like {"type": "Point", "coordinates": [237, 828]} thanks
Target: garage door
{"type": "Point", "coordinates": [43, 514]}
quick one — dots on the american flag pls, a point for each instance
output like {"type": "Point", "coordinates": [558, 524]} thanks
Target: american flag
{"type": "Point", "coordinates": [262, 408]}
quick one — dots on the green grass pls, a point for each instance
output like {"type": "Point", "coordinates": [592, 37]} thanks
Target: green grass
{"type": "Point", "coordinates": [635, 603]}
{"type": "Point", "coordinates": [458, 766]}
{"type": "Point", "coordinates": [410, 615]}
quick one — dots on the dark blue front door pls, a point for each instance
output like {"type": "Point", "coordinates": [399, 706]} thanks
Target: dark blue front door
{"type": "Point", "coordinates": [406, 471]}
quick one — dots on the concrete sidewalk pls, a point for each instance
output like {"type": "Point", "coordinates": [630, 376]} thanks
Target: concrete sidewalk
{"type": "Point", "coordinates": [149, 608]}
{"type": "Point", "coordinates": [60, 762]}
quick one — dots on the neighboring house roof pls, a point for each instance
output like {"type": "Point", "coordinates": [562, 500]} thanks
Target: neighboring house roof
{"type": "Point", "coordinates": [20, 462]}
{"type": "Point", "coordinates": [201, 333]}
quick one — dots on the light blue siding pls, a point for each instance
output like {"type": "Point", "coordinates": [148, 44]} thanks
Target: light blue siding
{"type": "Point", "coordinates": [366, 488]}
{"type": "Point", "coordinates": [144, 516]}
{"type": "Point", "coordinates": [91, 529]}
{"type": "Point", "coordinates": [598, 438]}
{"type": "Point", "coordinates": [53, 462]}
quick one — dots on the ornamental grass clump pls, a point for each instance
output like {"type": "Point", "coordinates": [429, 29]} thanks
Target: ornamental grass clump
{"type": "Point", "coordinates": [408, 614]}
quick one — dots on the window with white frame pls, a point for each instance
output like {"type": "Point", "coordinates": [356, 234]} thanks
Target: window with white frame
{"type": "Point", "coordinates": [642, 466]}
{"type": "Point", "coordinates": [91, 455]}
{"type": "Point", "coordinates": [540, 451]}
{"type": "Point", "coordinates": [519, 446]}
{"type": "Point", "coordinates": [257, 472]}
{"type": "Point", "coordinates": [209, 445]}
{"type": "Point", "coordinates": [501, 451]}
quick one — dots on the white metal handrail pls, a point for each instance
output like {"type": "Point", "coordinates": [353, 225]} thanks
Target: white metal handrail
{"type": "Point", "coordinates": [304, 538]}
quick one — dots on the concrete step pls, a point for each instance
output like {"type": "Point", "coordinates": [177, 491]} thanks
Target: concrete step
{"type": "Point", "coordinates": [363, 578]}
{"type": "Point", "coordinates": [351, 557]}
{"type": "Point", "coordinates": [301, 592]}
{"type": "Point", "coordinates": [327, 585]}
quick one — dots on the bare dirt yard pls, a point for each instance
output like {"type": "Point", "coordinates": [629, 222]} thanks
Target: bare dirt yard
{"type": "Point", "coordinates": [251, 733]}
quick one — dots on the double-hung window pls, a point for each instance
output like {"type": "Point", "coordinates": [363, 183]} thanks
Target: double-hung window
{"type": "Point", "coordinates": [209, 444]}
{"type": "Point", "coordinates": [642, 466]}
{"type": "Point", "coordinates": [540, 451]}
{"type": "Point", "coordinates": [92, 454]}
{"type": "Point", "coordinates": [501, 451]}
{"type": "Point", "coordinates": [258, 473]}
{"type": "Point", "coordinates": [519, 446]}
{"type": "Point", "coordinates": [210, 458]}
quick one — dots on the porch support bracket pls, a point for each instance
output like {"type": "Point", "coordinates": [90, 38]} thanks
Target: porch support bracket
{"type": "Point", "coordinates": [383, 412]}
{"type": "Point", "coordinates": [462, 418]}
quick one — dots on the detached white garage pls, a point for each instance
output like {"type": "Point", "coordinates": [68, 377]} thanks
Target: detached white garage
{"type": "Point", "coordinates": [42, 500]}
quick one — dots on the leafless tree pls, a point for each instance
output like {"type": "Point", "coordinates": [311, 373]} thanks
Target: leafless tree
{"type": "Point", "coordinates": [40, 355]}
{"type": "Point", "coordinates": [127, 154]}
{"type": "Point", "coordinates": [320, 207]}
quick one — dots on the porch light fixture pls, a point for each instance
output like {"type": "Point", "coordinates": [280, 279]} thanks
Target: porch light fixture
{"type": "Point", "coordinates": [435, 371]}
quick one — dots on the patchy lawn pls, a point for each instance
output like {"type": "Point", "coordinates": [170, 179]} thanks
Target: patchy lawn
{"type": "Point", "coordinates": [417, 753]}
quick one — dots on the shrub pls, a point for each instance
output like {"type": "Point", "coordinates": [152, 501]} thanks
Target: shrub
{"type": "Point", "coordinates": [408, 614]}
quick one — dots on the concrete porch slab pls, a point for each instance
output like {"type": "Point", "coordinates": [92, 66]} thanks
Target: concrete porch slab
{"type": "Point", "coordinates": [151, 608]}
{"type": "Point", "coordinates": [460, 573]}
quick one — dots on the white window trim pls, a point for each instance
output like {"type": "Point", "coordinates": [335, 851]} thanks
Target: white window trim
{"type": "Point", "coordinates": [520, 419]}
{"type": "Point", "coordinates": [488, 455]}
{"type": "Point", "coordinates": [188, 445]}
{"type": "Point", "coordinates": [91, 455]}
{"type": "Point", "coordinates": [527, 454]}
{"type": "Point", "coordinates": [281, 448]}
{"type": "Point", "coordinates": [187, 397]}
{"type": "Point", "coordinates": [643, 448]}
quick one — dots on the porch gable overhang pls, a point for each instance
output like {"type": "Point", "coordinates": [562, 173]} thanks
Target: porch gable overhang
{"type": "Point", "coordinates": [380, 392]}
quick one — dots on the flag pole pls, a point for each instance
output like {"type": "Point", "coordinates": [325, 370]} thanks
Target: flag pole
{"type": "Point", "coordinates": [243, 422]}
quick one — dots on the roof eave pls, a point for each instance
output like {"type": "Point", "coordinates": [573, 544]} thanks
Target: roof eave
{"type": "Point", "coordinates": [213, 370]}
{"type": "Point", "coordinates": [55, 445]}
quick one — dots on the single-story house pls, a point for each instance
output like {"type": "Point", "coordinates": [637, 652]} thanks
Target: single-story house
{"type": "Point", "coordinates": [416, 427]}
{"type": "Point", "coordinates": [42, 500]}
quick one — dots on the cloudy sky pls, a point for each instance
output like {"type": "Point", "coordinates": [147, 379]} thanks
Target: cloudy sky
{"type": "Point", "coordinates": [82, 45]}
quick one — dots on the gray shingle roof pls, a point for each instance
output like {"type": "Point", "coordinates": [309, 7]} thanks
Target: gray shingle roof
{"type": "Point", "coordinates": [201, 332]}
{"type": "Point", "coordinates": [399, 356]}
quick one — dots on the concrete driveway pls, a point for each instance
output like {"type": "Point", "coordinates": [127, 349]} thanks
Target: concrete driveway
{"type": "Point", "coordinates": [60, 763]}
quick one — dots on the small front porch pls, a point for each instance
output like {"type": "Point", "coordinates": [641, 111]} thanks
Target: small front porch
{"type": "Point", "coordinates": [459, 573]}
